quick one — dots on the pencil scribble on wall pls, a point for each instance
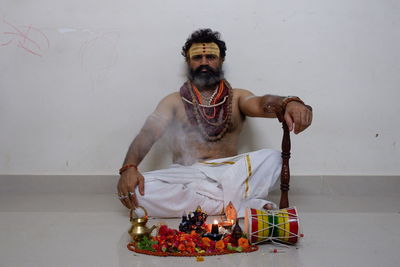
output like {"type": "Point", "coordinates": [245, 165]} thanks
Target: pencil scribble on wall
{"type": "Point", "coordinates": [28, 38]}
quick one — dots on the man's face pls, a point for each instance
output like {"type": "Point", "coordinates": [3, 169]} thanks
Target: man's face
{"type": "Point", "coordinates": [205, 69]}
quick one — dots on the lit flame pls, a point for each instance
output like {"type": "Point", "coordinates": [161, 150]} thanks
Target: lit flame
{"type": "Point", "coordinates": [215, 222]}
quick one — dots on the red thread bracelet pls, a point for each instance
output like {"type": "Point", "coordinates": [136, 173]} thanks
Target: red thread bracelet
{"type": "Point", "coordinates": [127, 166]}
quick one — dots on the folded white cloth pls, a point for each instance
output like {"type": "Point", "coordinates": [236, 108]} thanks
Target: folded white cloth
{"type": "Point", "coordinates": [244, 179]}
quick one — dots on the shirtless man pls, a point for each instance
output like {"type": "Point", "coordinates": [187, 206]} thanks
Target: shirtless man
{"type": "Point", "coordinates": [209, 114]}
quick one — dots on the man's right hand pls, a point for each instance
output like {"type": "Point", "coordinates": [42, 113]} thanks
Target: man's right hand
{"type": "Point", "coordinates": [129, 180]}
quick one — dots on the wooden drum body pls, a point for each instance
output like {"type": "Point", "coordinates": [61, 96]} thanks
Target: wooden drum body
{"type": "Point", "coordinates": [273, 225]}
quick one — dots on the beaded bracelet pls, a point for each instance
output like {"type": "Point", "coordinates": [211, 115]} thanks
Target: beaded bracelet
{"type": "Point", "coordinates": [127, 166]}
{"type": "Point", "coordinates": [289, 99]}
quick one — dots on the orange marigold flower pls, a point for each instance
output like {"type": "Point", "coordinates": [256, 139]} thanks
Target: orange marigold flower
{"type": "Point", "coordinates": [190, 244]}
{"type": "Point", "coordinates": [183, 237]}
{"type": "Point", "coordinates": [194, 234]}
{"type": "Point", "coordinates": [243, 242]}
{"type": "Point", "coordinates": [181, 247]}
{"type": "Point", "coordinates": [220, 245]}
{"type": "Point", "coordinates": [206, 241]}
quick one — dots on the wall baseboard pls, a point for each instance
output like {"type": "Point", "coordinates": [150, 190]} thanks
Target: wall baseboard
{"type": "Point", "coordinates": [58, 183]}
{"type": "Point", "coordinates": [105, 184]}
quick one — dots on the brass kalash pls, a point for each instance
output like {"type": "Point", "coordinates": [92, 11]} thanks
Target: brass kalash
{"type": "Point", "coordinates": [139, 229]}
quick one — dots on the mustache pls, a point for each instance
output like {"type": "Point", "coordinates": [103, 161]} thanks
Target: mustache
{"type": "Point", "coordinates": [199, 70]}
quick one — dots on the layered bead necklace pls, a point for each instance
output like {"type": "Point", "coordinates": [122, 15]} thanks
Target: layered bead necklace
{"type": "Point", "coordinates": [211, 101]}
{"type": "Point", "coordinates": [214, 116]}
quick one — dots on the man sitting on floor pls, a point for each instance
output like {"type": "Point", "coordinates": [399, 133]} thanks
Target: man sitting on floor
{"type": "Point", "coordinates": [206, 117]}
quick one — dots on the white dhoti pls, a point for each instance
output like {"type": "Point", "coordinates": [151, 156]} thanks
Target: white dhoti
{"type": "Point", "coordinates": [245, 180]}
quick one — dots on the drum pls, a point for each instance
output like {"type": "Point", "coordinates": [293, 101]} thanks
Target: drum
{"type": "Point", "coordinates": [272, 225]}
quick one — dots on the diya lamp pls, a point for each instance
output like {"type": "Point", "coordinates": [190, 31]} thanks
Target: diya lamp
{"type": "Point", "coordinates": [227, 224]}
{"type": "Point", "coordinates": [231, 216]}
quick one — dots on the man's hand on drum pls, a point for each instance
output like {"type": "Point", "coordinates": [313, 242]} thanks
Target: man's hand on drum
{"type": "Point", "coordinates": [297, 116]}
{"type": "Point", "coordinates": [129, 180]}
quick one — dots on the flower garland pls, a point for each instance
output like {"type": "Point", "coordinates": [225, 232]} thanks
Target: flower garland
{"type": "Point", "coordinates": [171, 242]}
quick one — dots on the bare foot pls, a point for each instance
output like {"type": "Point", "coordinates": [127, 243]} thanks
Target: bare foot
{"type": "Point", "coordinates": [268, 206]}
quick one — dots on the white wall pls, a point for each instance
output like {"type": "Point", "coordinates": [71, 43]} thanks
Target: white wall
{"type": "Point", "coordinates": [77, 78]}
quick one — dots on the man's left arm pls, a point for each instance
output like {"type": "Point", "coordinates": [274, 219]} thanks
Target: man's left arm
{"type": "Point", "coordinates": [298, 116]}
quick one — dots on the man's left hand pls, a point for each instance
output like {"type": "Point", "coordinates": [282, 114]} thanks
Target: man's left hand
{"type": "Point", "coordinates": [297, 116]}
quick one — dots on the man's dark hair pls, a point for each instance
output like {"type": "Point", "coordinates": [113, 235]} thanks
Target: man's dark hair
{"type": "Point", "coordinates": [204, 36]}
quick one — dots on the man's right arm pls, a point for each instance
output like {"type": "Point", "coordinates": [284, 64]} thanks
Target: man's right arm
{"type": "Point", "coordinates": [152, 130]}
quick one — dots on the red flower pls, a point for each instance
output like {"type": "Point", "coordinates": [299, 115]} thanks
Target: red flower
{"type": "Point", "coordinates": [163, 230]}
{"type": "Point", "coordinates": [227, 239]}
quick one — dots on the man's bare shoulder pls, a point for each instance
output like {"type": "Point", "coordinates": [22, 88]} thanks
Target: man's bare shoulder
{"type": "Point", "coordinates": [172, 99]}
{"type": "Point", "coordinates": [169, 105]}
{"type": "Point", "coordinates": [173, 96]}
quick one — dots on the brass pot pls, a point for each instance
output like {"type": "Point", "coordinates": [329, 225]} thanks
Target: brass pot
{"type": "Point", "coordinates": [139, 229]}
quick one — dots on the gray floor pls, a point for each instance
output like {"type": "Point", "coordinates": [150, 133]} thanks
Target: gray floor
{"type": "Point", "coordinates": [51, 221]}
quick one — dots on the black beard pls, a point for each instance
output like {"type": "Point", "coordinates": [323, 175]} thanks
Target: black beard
{"type": "Point", "coordinates": [205, 79]}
